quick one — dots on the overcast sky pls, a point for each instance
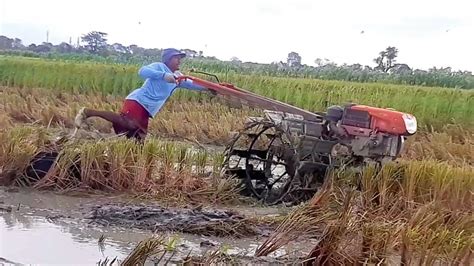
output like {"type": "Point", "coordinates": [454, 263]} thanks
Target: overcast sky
{"type": "Point", "coordinates": [426, 32]}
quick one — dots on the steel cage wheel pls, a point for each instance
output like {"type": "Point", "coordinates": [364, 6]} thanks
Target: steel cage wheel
{"type": "Point", "coordinates": [268, 182]}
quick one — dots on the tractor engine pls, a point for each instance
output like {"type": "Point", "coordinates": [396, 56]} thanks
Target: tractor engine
{"type": "Point", "coordinates": [370, 132]}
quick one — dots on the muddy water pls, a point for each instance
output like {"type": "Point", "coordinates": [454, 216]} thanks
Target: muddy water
{"type": "Point", "coordinates": [46, 228]}
{"type": "Point", "coordinates": [31, 239]}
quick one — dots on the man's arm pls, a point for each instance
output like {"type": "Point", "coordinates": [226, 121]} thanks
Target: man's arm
{"type": "Point", "coordinates": [151, 71]}
{"type": "Point", "coordinates": [188, 84]}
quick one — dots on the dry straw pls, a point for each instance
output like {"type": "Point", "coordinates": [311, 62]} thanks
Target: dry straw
{"type": "Point", "coordinates": [406, 212]}
{"type": "Point", "coordinates": [168, 170]}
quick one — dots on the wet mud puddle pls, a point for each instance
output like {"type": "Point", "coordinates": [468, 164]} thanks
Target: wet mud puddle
{"type": "Point", "coordinates": [32, 240]}
{"type": "Point", "coordinates": [45, 228]}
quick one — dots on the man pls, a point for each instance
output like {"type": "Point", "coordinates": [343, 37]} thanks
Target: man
{"type": "Point", "coordinates": [145, 102]}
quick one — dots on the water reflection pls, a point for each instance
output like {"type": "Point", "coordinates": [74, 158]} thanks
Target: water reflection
{"type": "Point", "coordinates": [29, 239]}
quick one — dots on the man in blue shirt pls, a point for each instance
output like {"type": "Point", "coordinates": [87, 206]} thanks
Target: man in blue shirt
{"type": "Point", "coordinates": [145, 102]}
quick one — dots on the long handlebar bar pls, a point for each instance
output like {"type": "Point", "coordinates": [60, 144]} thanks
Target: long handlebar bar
{"type": "Point", "coordinates": [249, 98]}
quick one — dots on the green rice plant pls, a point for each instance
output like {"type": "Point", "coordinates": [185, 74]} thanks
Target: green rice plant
{"type": "Point", "coordinates": [200, 160]}
{"type": "Point", "coordinates": [434, 107]}
{"type": "Point", "coordinates": [183, 158]}
{"type": "Point", "coordinates": [217, 160]}
{"type": "Point", "coordinates": [166, 156]}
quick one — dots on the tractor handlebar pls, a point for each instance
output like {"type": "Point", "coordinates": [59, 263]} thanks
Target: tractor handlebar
{"type": "Point", "coordinates": [249, 98]}
{"type": "Point", "coordinates": [220, 88]}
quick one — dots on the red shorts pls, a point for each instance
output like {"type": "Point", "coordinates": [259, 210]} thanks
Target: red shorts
{"type": "Point", "coordinates": [133, 111]}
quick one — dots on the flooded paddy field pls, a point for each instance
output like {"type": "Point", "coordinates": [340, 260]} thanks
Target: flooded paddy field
{"type": "Point", "coordinates": [47, 228]}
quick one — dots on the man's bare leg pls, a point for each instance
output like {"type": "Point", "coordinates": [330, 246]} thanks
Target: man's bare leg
{"type": "Point", "coordinates": [112, 117]}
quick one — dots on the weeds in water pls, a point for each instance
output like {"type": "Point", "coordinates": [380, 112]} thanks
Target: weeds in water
{"type": "Point", "coordinates": [145, 249]}
{"type": "Point", "coordinates": [101, 243]}
{"type": "Point", "coordinates": [161, 251]}
{"type": "Point", "coordinates": [107, 262]}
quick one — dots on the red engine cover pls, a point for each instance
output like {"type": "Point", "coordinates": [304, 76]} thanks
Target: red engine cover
{"type": "Point", "coordinates": [384, 120]}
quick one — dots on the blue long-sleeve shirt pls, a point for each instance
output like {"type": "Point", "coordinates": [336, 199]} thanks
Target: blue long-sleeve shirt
{"type": "Point", "coordinates": [155, 91]}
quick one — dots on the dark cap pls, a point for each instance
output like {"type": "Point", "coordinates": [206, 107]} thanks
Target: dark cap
{"type": "Point", "coordinates": [169, 53]}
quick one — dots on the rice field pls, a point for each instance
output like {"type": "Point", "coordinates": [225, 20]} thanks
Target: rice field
{"type": "Point", "coordinates": [200, 123]}
{"type": "Point", "coordinates": [417, 210]}
{"type": "Point", "coordinates": [433, 107]}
